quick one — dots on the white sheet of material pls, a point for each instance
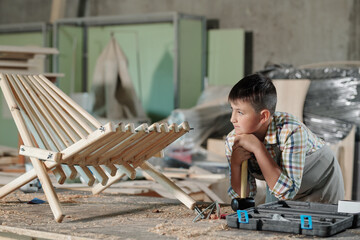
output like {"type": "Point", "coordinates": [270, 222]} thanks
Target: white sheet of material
{"type": "Point", "coordinates": [114, 93]}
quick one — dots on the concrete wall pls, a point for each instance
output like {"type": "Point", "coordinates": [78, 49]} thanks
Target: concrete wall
{"type": "Point", "coordinates": [292, 32]}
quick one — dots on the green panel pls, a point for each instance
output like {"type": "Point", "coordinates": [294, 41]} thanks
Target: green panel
{"type": "Point", "coordinates": [149, 51]}
{"type": "Point", "coordinates": [70, 44]}
{"type": "Point", "coordinates": [190, 62]}
{"type": "Point", "coordinates": [226, 56]}
{"type": "Point", "coordinates": [8, 132]}
{"type": "Point", "coordinates": [22, 39]}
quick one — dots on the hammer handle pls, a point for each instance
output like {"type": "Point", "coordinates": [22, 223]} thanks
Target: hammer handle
{"type": "Point", "coordinates": [244, 176]}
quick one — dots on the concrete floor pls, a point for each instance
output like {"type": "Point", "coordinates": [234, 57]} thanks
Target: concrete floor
{"type": "Point", "coordinates": [116, 216]}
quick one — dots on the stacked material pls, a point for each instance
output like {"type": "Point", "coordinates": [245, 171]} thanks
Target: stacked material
{"type": "Point", "coordinates": [332, 104]}
{"type": "Point", "coordinates": [210, 116]}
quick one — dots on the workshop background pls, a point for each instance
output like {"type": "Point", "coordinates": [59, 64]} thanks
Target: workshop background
{"type": "Point", "coordinates": [149, 61]}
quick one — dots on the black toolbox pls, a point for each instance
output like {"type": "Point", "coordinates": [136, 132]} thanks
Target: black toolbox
{"type": "Point", "coordinates": [316, 219]}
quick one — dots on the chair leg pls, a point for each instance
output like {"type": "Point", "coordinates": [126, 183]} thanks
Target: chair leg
{"type": "Point", "coordinates": [48, 189]}
{"type": "Point", "coordinates": [46, 185]}
{"type": "Point", "coordinates": [17, 183]}
{"type": "Point", "coordinates": [98, 188]}
{"type": "Point", "coordinates": [169, 185]}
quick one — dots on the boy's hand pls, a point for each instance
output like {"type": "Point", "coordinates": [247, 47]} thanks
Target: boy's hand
{"type": "Point", "coordinates": [239, 154]}
{"type": "Point", "coordinates": [248, 142]}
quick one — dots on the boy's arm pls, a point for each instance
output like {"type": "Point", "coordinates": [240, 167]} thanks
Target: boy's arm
{"type": "Point", "coordinates": [235, 156]}
{"type": "Point", "coordinates": [283, 182]}
{"type": "Point", "coordinates": [270, 170]}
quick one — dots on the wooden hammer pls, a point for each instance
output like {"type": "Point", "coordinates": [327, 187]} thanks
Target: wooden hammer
{"type": "Point", "coordinates": [243, 202]}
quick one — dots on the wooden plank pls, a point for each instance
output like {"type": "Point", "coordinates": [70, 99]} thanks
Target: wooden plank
{"type": "Point", "coordinates": [57, 10]}
{"type": "Point", "coordinates": [27, 49]}
{"type": "Point", "coordinates": [169, 185]}
{"type": "Point", "coordinates": [286, 89]}
{"type": "Point", "coordinates": [40, 153]}
{"type": "Point", "coordinates": [15, 64]}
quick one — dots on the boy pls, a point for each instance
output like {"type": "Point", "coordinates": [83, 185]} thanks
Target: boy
{"type": "Point", "coordinates": [280, 149]}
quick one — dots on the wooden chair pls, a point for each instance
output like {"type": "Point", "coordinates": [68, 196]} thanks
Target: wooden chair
{"type": "Point", "coordinates": [60, 136]}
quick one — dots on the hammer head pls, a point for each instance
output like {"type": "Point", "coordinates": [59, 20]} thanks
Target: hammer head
{"type": "Point", "coordinates": [242, 203]}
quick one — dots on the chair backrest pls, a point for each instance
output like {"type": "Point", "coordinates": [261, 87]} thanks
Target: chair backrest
{"type": "Point", "coordinates": [56, 123]}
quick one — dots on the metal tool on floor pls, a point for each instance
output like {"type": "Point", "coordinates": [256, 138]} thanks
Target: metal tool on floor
{"type": "Point", "coordinates": [201, 214]}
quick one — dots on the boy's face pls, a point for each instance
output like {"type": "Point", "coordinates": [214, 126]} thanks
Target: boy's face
{"type": "Point", "coordinates": [244, 118]}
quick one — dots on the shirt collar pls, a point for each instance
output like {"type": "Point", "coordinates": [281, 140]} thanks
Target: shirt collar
{"type": "Point", "coordinates": [270, 137]}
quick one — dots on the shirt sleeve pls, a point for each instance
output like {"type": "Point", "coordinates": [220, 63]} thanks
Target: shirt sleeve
{"type": "Point", "coordinates": [292, 163]}
{"type": "Point", "coordinates": [228, 151]}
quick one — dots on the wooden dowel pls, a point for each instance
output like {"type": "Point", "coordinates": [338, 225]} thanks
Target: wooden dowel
{"type": "Point", "coordinates": [59, 174]}
{"type": "Point", "coordinates": [69, 170]}
{"type": "Point", "coordinates": [98, 188]}
{"type": "Point", "coordinates": [99, 174]}
{"type": "Point", "coordinates": [110, 169]}
{"type": "Point", "coordinates": [85, 174]}
{"type": "Point", "coordinates": [26, 136]}
{"type": "Point", "coordinates": [169, 185]}
{"type": "Point", "coordinates": [127, 169]}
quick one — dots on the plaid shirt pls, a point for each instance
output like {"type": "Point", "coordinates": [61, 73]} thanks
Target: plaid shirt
{"type": "Point", "coordinates": [295, 142]}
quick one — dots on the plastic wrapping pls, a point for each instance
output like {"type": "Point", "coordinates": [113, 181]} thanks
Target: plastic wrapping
{"type": "Point", "coordinates": [332, 104]}
{"type": "Point", "coordinates": [211, 115]}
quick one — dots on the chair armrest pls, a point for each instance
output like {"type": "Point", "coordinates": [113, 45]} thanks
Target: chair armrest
{"type": "Point", "coordinates": [39, 153]}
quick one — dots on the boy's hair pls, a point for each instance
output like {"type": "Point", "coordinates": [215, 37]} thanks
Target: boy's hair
{"type": "Point", "coordinates": [258, 90]}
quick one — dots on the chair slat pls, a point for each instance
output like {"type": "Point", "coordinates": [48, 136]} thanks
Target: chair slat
{"type": "Point", "coordinates": [33, 113]}
{"type": "Point", "coordinates": [65, 105]}
{"type": "Point", "coordinates": [140, 131]}
{"type": "Point", "coordinates": [55, 110]}
{"type": "Point", "coordinates": [117, 138]}
{"type": "Point", "coordinates": [83, 112]}
{"type": "Point", "coordinates": [58, 137]}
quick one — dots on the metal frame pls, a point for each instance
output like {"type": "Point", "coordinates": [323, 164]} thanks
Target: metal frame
{"type": "Point", "coordinates": [173, 17]}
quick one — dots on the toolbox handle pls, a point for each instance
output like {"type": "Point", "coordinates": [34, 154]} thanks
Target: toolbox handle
{"type": "Point", "coordinates": [246, 215]}
{"type": "Point", "coordinates": [309, 221]}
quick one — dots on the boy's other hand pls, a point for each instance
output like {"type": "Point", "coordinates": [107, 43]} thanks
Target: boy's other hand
{"type": "Point", "coordinates": [239, 154]}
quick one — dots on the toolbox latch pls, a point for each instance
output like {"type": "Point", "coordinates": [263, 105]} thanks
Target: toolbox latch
{"type": "Point", "coordinates": [309, 221]}
{"type": "Point", "coordinates": [240, 214]}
